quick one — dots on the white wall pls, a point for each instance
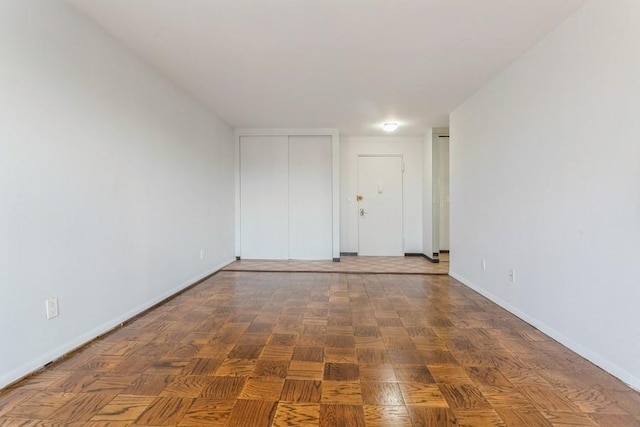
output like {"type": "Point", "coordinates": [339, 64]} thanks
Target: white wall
{"type": "Point", "coordinates": [545, 179]}
{"type": "Point", "coordinates": [411, 150]}
{"type": "Point", "coordinates": [427, 194]}
{"type": "Point", "coordinates": [443, 193]}
{"type": "Point", "coordinates": [111, 182]}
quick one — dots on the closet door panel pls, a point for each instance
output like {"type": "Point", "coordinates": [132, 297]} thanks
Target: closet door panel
{"type": "Point", "coordinates": [310, 197]}
{"type": "Point", "coordinates": [264, 197]}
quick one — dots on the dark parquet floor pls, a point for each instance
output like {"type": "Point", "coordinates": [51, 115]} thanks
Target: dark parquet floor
{"type": "Point", "coordinates": [323, 349]}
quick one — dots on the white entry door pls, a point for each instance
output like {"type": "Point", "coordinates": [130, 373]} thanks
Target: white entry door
{"type": "Point", "coordinates": [380, 207]}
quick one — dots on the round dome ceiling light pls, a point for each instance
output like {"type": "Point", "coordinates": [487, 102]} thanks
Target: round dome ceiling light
{"type": "Point", "coordinates": [390, 126]}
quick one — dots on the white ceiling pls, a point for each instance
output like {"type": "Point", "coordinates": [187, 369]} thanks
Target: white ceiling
{"type": "Point", "coordinates": [346, 64]}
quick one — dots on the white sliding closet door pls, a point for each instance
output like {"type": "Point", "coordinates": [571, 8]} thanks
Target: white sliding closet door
{"type": "Point", "coordinates": [264, 197]}
{"type": "Point", "coordinates": [310, 197]}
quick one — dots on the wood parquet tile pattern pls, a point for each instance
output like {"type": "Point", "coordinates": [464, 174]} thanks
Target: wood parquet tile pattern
{"type": "Point", "coordinates": [308, 349]}
{"type": "Point", "coordinates": [347, 264]}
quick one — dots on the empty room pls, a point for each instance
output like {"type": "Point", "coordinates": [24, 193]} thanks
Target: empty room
{"type": "Point", "coordinates": [319, 213]}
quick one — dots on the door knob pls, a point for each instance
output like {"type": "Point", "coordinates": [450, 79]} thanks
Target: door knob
{"type": "Point", "coordinates": [362, 212]}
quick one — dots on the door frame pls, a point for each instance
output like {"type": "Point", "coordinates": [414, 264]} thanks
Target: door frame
{"type": "Point", "coordinates": [335, 174]}
{"type": "Point", "coordinates": [401, 156]}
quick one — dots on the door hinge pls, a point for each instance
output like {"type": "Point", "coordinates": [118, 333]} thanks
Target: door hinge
{"type": "Point", "coordinates": [402, 166]}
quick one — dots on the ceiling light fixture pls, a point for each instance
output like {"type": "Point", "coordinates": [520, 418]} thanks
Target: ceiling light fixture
{"type": "Point", "coordinates": [390, 126]}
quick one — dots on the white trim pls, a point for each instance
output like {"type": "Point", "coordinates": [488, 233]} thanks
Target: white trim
{"type": "Point", "coordinates": [83, 339]}
{"type": "Point", "coordinates": [595, 358]}
{"type": "Point", "coordinates": [335, 157]}
{"type": "Point", "coordinates": [286, 132]}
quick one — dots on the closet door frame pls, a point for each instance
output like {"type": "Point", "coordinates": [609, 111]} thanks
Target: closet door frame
{"type": "Point", "coordinates": [335, 172]}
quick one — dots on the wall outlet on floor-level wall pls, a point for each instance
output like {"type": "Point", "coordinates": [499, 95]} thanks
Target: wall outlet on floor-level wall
{"type": "Point", "coordinates": [201, 253]}
{"type": "Point", "coordinates": [512, 276]}
{"type": "Point", "coordinates": [52, 307]}
{"type": "Point", "coordinates": [483, 264]}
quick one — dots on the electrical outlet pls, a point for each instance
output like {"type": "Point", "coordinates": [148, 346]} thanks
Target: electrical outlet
{"type": "Point", "coordinates": [483, 263]}
{"type": "Point", "coordinates": [201, 253]}
{"type": "Point", "coordinates": [512, 276]}
{"type": "Point", "coordinates": [52, 307]}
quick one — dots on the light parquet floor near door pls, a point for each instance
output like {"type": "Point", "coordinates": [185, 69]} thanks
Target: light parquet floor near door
{"type": "Point", "coordinates": [347, 264]}
{"type": "Point", "coordinates": [317, 349]}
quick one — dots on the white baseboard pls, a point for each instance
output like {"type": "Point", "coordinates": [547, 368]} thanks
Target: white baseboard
{"type": "Point", "coordinates": [88, 336]}
{"type": "Point", "coordinates": [595, 358]}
